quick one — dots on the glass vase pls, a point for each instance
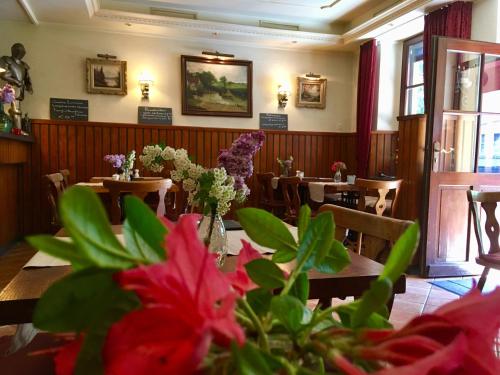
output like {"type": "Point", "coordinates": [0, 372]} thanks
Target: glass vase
{"type": "Point", "coordinates": [125, 176]}
{"type": "Point", "coordinates": [337, 177]}
{"type": "Point", "coordinates": [285, 171]}
{"type": "Point", "coordinates": [5, 121]}
{"type": "Point", "coordinates": [212, 232]}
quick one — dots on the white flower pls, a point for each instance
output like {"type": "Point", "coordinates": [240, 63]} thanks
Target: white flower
{"type": "Point", "coordinates": [168, 153]}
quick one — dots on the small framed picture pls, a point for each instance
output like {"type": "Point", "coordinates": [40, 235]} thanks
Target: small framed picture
{"type": "Point", "coordinates": [311, 93]}
{"type": "Point", "coordinates": [106, 77]}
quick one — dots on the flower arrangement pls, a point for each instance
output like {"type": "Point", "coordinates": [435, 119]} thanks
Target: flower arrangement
{"type": "Point", "coordinates": [337, 166]}
{"type": "Point", "coordinates": [285, 165]}
{"type": "Point", "coordinates": [128, 163]}
{"type": "Point", "coordinates": [116, 160]}
{"type": "Point", "coordinates": [157, 304]}
{"type": "Point", "coordinates": [211, 189]}
{"type": "Point", "coordinates": [7, 94]}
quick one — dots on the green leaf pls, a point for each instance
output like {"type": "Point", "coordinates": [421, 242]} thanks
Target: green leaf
{"type": "Point", "coordinates": [265, 229]}
{"type": "Point", "coordinates": [259, 300]}
{"type": "Point", "coordinates": [284, 256]}
{"type": "Point", "coordinates": [265, 273]}
{"type": "Point", "coordinates": [303, 220]}
{"type": "Point", "coordinates": [86, 222]}
{"type": "Point", "coordinates": [250, 360]}
{"type": "Point", "coordinates": [82, 300]}
{"type": "Point", "coordinates": [148, 230]}
{"type": "Point", "coordinates": [289, 311]}
{"type": "Point", "coordinates": [402, 253]}
{"type": "Point", "coordinates": [137, 246]}
{"type": "Point", "coordinates": [372, 301]}
{"type": "Point", "coordinates": [336, 259]}
{"type": "Point", "coordinates": [60, 249]}
{"type": "Point", "coordinates": [300, 288]}
{"type": "Point", "coordinates": [347, 311]}
{"type": "Point", "coordinates": [317, 241]}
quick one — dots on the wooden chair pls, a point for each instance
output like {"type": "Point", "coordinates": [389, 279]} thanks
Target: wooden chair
{"type": "Point", "coordinates": [54, 187]}
{"type": "Point", "coordinates": [488, 202]}
{"type": "Point", "coordinates": [385, 199]}
{"type": "Point", "coordinates": [291, 197]}
{"type": "Point", "coordinates": [139, 189]}
{"type": "Point", "coordinates": [266, 193]}
{"type": "Point", "coordinates": [65, 174]}
{"type": "Point", "coordinates": [380, 227]}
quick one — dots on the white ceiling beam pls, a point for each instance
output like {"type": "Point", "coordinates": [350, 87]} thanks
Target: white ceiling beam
{"type": "Point", "coordinates": [25, 5]}
{"type": "Point", "coordinates": [93, 7]}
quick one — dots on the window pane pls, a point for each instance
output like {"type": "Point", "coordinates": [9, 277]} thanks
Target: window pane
{"type": "Point", "coordinates": [489, 145]}
{"type": "Point", "coordinates": [458, 143]}
{"type": "Point", "coordinates": [415, 100]}
{"type": "Point", "coordinates": [462, 81]}
{"type": "Point", "coordinates": [416, 64]}
{"type": "Point", "coordinates": [490, 87]}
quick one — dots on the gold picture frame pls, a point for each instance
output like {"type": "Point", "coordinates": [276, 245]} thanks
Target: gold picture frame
{"type": "Point", "coordinates": [106, 77]}
{"type": "Point", "coordinates": [311, 93]}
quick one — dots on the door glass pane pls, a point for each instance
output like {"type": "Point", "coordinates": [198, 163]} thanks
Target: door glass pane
{"type": "Point", "coordinates": [458, 143]}
{"type": "Point", "coordinates": [462, 81]}
{"type": "Point", "coordinates": [489, 145]}
{"type": "Point", "coordinates": [415, 100]}
{"type": "Point", "coordinates": [490, 86]}
{"type": "Point", "coordinates": [416, 64]}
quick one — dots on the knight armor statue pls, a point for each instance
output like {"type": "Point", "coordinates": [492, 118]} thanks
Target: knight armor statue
{"type": "Point", "coordinates": [17, 71]}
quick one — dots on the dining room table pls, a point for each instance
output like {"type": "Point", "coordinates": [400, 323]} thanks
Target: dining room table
{"type": "Point", "coordinates": [18, 299]}
{"type": "Point", "coordinates": [96, 184]}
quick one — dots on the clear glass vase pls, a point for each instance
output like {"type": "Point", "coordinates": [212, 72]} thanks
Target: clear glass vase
{"type": "Point", "coordinates": [337, 177]}
{"type": "Point", "coordinates": [212, 232]}
{"type": "Point", "coordinates": [5, 121]}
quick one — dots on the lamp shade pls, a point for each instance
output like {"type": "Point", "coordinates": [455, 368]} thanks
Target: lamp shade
{"type": "Point", "coordinates": [2, 70]}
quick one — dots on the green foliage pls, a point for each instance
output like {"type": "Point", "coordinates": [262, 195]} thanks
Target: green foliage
{"type": "Point", "coordinates": [289, 311]}
{"type": "Point", "coordinates": [265, 273]}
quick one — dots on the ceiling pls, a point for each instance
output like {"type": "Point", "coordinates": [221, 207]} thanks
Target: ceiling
{"type": "Point", "coordinates": [294, 23]}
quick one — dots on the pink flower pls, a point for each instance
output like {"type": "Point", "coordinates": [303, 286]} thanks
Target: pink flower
{"type": "Point", "coordinates": [337, 165]}
{"type": "Point", "coordinates": [239, 279]}
{"type": "Point", "coordinates": [187, 304]}
{"type": "Point", "coordinates": [66, 356]}
{"type": "Point", "coordinates": [457, 338]}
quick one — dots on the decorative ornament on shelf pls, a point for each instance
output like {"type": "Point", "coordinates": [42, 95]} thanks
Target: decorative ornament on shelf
{"type": "Point", "coordinates": [7, 96]}
{"type": "Point", "coordinates": [336, 168]}
{"type": "Point", "coordinates": [160, 305]}
{"type": "Point", "coordinates": [285, 166]}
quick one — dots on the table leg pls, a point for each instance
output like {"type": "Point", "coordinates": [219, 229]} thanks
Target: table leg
{"type": "Point", "coordinates": [389, 304]}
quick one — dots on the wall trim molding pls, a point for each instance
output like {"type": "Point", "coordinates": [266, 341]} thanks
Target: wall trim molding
{"type": "Point", "coordinates": [30, 13]}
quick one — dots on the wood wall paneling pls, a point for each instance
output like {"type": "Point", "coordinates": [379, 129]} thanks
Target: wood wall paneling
{"type": "Point", "coordinates": [81, 146]}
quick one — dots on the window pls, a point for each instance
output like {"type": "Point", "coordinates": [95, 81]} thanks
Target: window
{"type": "Point", "coordinates": [412, 80]}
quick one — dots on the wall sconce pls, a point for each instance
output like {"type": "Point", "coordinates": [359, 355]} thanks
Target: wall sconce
{"type": "Point", "coordinates": [283, 94]}
{"type": "Point", "coordinates": [311, 75]}
{"type": "Point", "coordinates": [2, 70]}
{"type": "Point", "coordinates": [145, 81]}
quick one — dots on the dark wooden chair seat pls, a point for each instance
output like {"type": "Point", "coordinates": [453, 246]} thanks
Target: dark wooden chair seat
{"type": "Point", "coordinates": [487, 201]}
{"type": "Point", "coordinates": [54, 187]}
{"type": "Point", "coordinates": [267, 196]}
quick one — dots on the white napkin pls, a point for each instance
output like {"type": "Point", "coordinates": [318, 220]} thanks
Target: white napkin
{"type": "Point", "coordinates": [99, 184]}
{"type": "Point", "coordinates": [317, 190]}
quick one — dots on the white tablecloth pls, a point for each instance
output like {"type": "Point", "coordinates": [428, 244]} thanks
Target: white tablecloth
{"type": "Point", "coordinates": [274, 182]}
{"type": "Point", "coordinates": [317, 190]}
{"type": "Point", "coordinates": [90, 184]}
{"type": "Point", "coordinates": [234, 237]}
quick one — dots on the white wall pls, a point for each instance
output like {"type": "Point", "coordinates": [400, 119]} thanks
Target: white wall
{"type": "Point", "coordinates": [389, 85]}
{"type": "Point", "coordinates": [485, 21]}
{"type": "Point", "coordinates": [57, 56]}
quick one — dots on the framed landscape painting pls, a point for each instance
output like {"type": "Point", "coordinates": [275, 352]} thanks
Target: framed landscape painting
{"type": "Point", "coordinates": [311, 93]}
{"type": "Point", "coordinates": [106, 77]}
{"type": "Point", "coordinates": [215, 87]}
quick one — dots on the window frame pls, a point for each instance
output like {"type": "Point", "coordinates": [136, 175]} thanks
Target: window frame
{"type": "Point", "coordinates": [404, 71]}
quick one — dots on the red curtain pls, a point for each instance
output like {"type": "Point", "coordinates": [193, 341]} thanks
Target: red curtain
{"type": "Point", "coordinates": [366, 103]}
{"type": "Point", "coordinates": [454, 21]}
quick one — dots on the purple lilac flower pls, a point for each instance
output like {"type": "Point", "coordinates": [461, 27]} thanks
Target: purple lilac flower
{"type": "Point", "coordinates": [237, 160]}
{"type": "Point", "coordinates": [7, 94]}
{"type": "Point", "coordinates": [116, 160]}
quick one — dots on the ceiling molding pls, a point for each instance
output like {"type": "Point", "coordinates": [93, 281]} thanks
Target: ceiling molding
{"type": "Point", "coordinates": [386, 16]}
{"type": "Point", "coordinates": [218, 27]}
{"type": "Point", "coordinates": [93, 7]}
{"type": "Point", "coordinates": [25, 5]}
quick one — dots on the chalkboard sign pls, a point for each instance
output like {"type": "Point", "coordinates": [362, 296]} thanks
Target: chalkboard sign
{"type": "Point", "coordinates": [273, 121]}
{"type": "Point", "coordinates": [155, 115]}
{"type": "Point", "coordinates": [69, 109]}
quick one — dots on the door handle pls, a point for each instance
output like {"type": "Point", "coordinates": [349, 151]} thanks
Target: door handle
{"type": "Point", "coordinates": [449, 151]}
{"type": "Point", "coordinates": [435, 159]}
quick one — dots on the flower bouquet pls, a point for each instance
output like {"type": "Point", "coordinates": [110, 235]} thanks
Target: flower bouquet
{"type": "Point", "coordinates": [116, 161]}
{"type": "Point", "coordinates": [157, 304]}
{"type": "Point", "coordinates": [7, 96]}
{"type": "Point", "coordinates": [285, 165]}
{"type": "Point", "coordinates": [336, 168]}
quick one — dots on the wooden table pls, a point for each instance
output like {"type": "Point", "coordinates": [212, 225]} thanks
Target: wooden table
{"type": "Point", "coordinates": [96, 184]}
{"type": "Point", "coordinates": [18, 299]}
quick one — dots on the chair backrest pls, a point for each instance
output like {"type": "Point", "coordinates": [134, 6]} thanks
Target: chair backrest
{"type": "Point", "coordinates": [54, 187]}
{"type": "Point", "coordinates": [381, 189]}
{"type": "Point", "coordinates": [65, 174]}
{"type": "Point", "coordinates": [265, 191]}
{"type": "Point", "coordinates": [137, 188]}
{"type": "Point", "coordinates": [291, 197]}
{"type": "Point", "coordinates": [488, 202]}
{"type": "Point", "coordinates": [381, 227]}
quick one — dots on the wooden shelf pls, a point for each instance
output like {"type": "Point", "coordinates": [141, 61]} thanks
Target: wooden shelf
{"type": "Point", "coordinates": [20, 138]}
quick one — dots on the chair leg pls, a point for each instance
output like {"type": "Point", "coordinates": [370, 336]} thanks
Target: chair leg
{"type": "Point", "coordinates": [482, 280]}
{"type": "Point", "coordinates": [325, 303]}
{"type": "Point", "coordinates": [389, 304]}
